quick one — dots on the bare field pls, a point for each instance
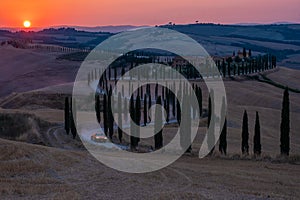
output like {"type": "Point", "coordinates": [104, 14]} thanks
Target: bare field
{"type": "Point", "coordinates": [25, 69]}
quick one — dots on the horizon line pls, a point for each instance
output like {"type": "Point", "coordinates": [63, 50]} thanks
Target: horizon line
{"type": "Point", "coordinates": [149, 25]}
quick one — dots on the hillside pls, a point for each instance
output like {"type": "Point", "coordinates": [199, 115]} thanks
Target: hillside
{"type": "Point", "coordinates": [281, 40]}
{"type": "Point", "coordinates": [25, 69]}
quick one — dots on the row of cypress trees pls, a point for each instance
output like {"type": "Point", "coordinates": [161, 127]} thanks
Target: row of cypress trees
{"type": "Point", "coordinates": [135, 114]}
{"type": "Point", "coordinates": [168, 98]}
{"type": "Point", "coordinates": [257, 149]}
{"type": "Point", "coordinates": [230, 66]}
{"type": "Point", "coordinates": [237, 66]}
{"type": "Point", "coordinates": [245, 135]}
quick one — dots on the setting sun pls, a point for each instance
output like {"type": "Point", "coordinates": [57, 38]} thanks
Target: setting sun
{"type": "Point", "coordinates": [27, 24]}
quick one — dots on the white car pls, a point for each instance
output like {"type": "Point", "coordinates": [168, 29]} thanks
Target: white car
{"type": "Point", "coordinates": [98, 137]}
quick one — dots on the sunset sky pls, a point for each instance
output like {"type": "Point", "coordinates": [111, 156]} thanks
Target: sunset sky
{"type": "Point", "coordinates": [45, 13]}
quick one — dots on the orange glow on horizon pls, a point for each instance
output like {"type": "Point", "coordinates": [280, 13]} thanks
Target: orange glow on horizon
{"type": "Point", "coordinates": [47, 13]}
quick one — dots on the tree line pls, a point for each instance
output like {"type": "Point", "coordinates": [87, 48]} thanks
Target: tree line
{"type": "Point", "coordinates": [236, 65]}
{"type": "Point", "coordinates": [257, 146]}
{"type": "Point", "coordinates": [183, 113]}
{"type": "Point", "coordinates": [143, 100]}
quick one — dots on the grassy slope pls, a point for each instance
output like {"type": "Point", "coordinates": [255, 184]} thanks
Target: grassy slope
{"type": "Point", "coordinates": [24, 70]}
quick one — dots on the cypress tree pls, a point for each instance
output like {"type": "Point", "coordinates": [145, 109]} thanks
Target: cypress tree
{"type": "Point", "coordinates": [199, 98]}
{"type": "Point", "coordinates": [167, 108]}
{"type": "Point", "coordinates": [123, 72]}
{"type": "Point", "coordinates": [74, 109]}
{"type": "Point", "coordinates": [178, 108]}
{"type": "Point", "coordinates": [223, 139]}
{"type": "Point", "coordinates": [73, 126]}
{"type": "Point", "coordinates": [138, 117]}
{"type": "Point", "coordinates": [120, 132]}
{"type": "Point", "coordinates": [109, 73]}
{"type": "Point", "coordinates": [245, 134]}
{"type": "Point", "coordinates": [149, 105]}
{"type": "Point", "coordinates": [244, 52]}
{"type": "Point", "coordinates": [156, 90]}
{"type": "Point", "coordinates": [285, 124]}
{"type": "Point", "coordinates": [223, 68]}
{"type": "Point", "coordinates": [273, 61]}
{"type": "Point", "coordinates": [67, 116]}
{"type": "Point", "coordinates": [185, 126]}
{"type": "Point", "coordinates": [229, 61]}
{"type": "Point", "coordinates": [145, 110]}
{"type": "Point", "coordinates": [97, 108]}
{"type": "Point", "coordinates": [106, 86]}
{"type": "Point", "coordinates": [194, 104]}
{"type": "Point", "coordinates": [211, 124]}
{"type": "Point", "coordinates": [158, 138]}
{"type": "Point", "coordinates": [223, 136]}
{"type": "Point", "coordinates": [125, 109]}
{"type": "Point", "coordinates": [110, 115]}
{"type": "Point", "coordinates": [132, 121]}
{"type": "Point", "coordinates": [105, 120]}
{"type": "Point", "coordinates": [256, 139]}
{"type": "Point", "coordinates": [142, 91]}
{"type": "Point", "coordinates": [218, 63]}
{"type": "Point", "coordinates": [173, 104]}
{"type": "Point", "coordinates": [147, 89]}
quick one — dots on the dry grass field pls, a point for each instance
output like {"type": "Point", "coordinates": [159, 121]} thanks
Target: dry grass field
{"type": "Point", "coordinates": [35, 172]}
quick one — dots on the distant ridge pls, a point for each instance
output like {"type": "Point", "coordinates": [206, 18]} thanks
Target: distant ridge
{"type": "Point", "coordinates": [110, 29]}
{"type": "Point", "coordinates": [121, 28]}
{"type": "Point", "coordinates": [257, 24]}
{"type": "Point", "coordinates": [248, 24]}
